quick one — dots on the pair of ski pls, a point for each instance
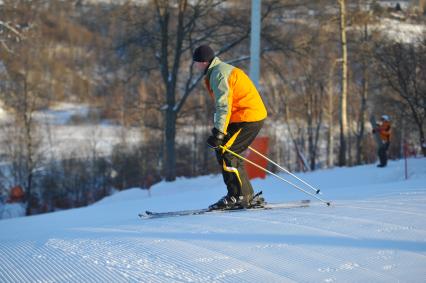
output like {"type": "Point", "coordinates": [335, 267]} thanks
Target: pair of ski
{"type": "Point", "coordinates": [283, 205]}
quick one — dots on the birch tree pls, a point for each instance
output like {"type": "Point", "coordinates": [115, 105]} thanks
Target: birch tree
{"type": "Point", "coordinates": [343, 116]}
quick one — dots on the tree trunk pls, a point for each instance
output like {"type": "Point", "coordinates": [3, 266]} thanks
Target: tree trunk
{"type": "Point", "coordinates": [423, 143]}
{"type": "Point", "coordinates": [169, 72]}
{"type": "Point", "coordinates": [330, 140]}
{"type": "Point", "coordinates": [363, 108]}
{"type": "Point", "coordinates": [362, 120]}
{"type": "Point", "coordinates": [343, 98]}
{"type": "Point", "coordinates": [29, 162]}
{"type": "Point", "coordinates": [170, 166]}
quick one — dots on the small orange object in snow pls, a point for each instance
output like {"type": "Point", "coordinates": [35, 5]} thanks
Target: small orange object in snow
{"type": "Point", "coordinates": [16, 194]}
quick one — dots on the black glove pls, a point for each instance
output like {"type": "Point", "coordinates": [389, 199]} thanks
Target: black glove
{"type": "Point", "coordinates": [216, 139]}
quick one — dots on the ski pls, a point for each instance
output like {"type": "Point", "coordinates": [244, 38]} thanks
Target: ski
{"type": "Point", "coordinates": [282, 205]}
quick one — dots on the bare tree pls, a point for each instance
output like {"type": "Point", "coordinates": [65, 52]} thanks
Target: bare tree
{"type": "Point", "coordinates": [21, 91]}
{"type": "Point", "coordinates": [361, 68]}
{"type": "Point", "coordinates": [174, 30]}
{"type": "Point", "coordinates": [23, 97]}
{"type": "Point", "coordinates": [10, 27]}
{"type": "Point", "coordinates": [6, 28]}
{"type": "Point", "coordinates": [403, 67]}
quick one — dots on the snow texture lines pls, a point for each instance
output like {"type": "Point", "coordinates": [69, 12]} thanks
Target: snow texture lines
{"type": "Point", "coordinates": [31, 262]}
{"type": "Point", "coordinates": [374, 232]}
{"type": "Point", "coordinates": [162, 260]}
{"type": "Point", "coordinates": [294, 242]}
{"type": "Point", "coordinates": [340, 247]}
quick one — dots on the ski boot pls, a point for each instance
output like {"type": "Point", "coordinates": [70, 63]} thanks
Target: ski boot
{"type": "Point", "coordinates": [250, 201]}
{"type": "Point", "coordinates": [226, 202]}
{"type": "Point", "coordinates": [257, 201]}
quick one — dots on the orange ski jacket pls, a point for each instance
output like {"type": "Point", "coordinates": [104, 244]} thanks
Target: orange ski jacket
{"type": "Point", "coordinates": [236, 97]}
{"type": "Point", "coordinates": [385, 131]}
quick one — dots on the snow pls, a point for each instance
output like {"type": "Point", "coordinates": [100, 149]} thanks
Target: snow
{"type": "Point", "coordinates": [402, 32]}
{"type": "Point", "coordinates": [374, 232]}
{"type": "Point", "coordinates": [62, 113]}
{"type": "Point", "coordinates": [11, 210]}
{"type": "Point", "coordinates": [62, 137]}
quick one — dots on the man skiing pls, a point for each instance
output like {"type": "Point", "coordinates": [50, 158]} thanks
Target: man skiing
{"type": "Point", "coordinates": [239, 116]}
{"type": "Point", "coordinates": [384, 130]}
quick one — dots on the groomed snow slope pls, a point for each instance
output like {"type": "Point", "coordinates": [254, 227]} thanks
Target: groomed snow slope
{"type": "Point", "coordinates": [374, 232]}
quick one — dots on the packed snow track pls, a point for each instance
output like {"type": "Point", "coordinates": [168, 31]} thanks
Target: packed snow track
{"type": "Point", "coordinates": [371, 233]}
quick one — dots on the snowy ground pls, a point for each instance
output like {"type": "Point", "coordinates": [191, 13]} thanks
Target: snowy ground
{"type": "Point", "coordinates": [62, 138]}
{"type": "Point", "coordinates": [374, 232]}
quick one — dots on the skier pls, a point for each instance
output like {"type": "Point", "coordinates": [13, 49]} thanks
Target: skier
{"type": "Point", "coordinates": [239, 116]}
{"type": "Point", "coordinates": [384, 130]}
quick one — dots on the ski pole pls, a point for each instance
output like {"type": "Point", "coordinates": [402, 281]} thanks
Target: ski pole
{"type": "Point", "coordinates": [275, 175]}
{"type": "Point", "coordinates": [285, 170]}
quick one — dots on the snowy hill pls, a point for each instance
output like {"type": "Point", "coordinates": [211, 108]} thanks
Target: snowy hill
{"type": "Point", "coordinates": [374, 232]}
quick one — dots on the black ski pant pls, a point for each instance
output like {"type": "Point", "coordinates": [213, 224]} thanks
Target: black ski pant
{"type": "Point", "coordinates": [239, 137]}
{"type": "Point", "coordinates": [382, 152]}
